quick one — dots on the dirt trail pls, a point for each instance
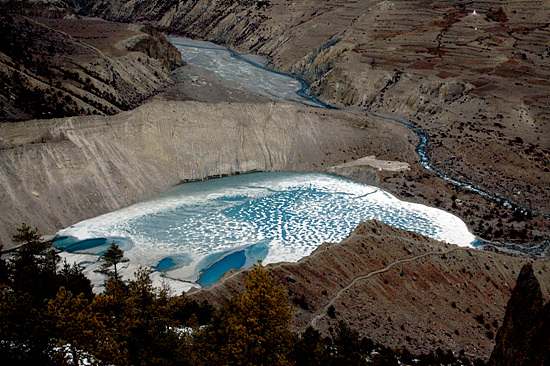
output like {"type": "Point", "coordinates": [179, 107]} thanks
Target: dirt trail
{"type": "Point", "coordinates": [373, 273]}
{"type": "Point", "coordinates": [71, 37]}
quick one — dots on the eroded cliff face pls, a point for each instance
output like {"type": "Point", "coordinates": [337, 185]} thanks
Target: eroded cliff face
{"type": "Point", "coordinates": [153, 44]}
{"type": "Point", "coordinates": [398, 288]}
{"type": "Point", "coordinates": [474, 76]}
{"type": "Point", "coordinates": [54, 173]}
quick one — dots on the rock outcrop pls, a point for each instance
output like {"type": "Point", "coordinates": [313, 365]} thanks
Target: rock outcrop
{"type": "Point", "coordinates": [56, 172]}
{"type": "Point", "coordinates": [152, 43]}
{"type": "Point", "coordinates": [398, 288]}
{"type": "Point", "coordinates": [524, 337]}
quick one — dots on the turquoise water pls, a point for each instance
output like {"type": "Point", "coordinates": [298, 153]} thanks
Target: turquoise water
{"type": "Point", "coordinates": [210, 275]}
{"type": "Point", "coordinates": [165, 263]}
{"type": "Point", "coordinates": [190, 232]}
{"type": "Point", "coordinates": [94, 245]}
{"type": "Point", "coordinates": [176, 260]}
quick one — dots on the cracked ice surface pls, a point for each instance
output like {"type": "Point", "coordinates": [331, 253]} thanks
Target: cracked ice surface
{"type": "Point", "coordinates": [272, 216]}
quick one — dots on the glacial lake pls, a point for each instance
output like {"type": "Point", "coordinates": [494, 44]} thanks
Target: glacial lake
{"type": "Point", "coordinates": [197, 231]}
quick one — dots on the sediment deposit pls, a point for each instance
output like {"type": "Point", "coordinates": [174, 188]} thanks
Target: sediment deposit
{"type": "Point", "coordinates": [54, 173]}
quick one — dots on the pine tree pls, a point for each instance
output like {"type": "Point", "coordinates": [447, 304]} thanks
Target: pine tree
{"type": "Point", "coordinates": [347, 345]}
{"type": "Point", "coordinates": [33, 267]}
{"type": "Point", "coordinates": [257, 325]}
{"type": "Point", "coordinates": [72, 278]}
{"type": "Point", "coordinates": [139, 319]}
{"type": "Point", "coordinates": [113, 256]}
{"type": "Point", "coordinates": [310, 349]}
{"type": "Point", "coordinates": [152, 338]}
{"type": "Point", "coordinates": [79, 330]}
{"type": "Point", "coordinates": [24, 337]}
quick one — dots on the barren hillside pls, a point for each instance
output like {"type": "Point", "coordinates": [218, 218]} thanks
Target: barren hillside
{"type": "Point", "coordinates": [399, 288]}
{"type": "Point", "coordinates": [53, 67]}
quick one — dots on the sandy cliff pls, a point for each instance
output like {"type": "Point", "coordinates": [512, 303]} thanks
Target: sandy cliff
{"type": "Point", "coordinates": [54, 173]}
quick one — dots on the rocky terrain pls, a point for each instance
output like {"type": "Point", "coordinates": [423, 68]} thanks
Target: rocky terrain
{"type": "Point", "coordinates": [473, 75]}
{"type": "Point", "coordinates": [400, 289]}
{"type": "Point", "coordinates": [55, 67]}
{"type": "Point", "coordinates": [54, 173]}
{"type": "Point", "coordinates": [524, 335]}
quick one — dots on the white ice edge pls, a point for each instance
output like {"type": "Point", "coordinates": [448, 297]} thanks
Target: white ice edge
{"type": "Point", "coordinates": [324, 217]}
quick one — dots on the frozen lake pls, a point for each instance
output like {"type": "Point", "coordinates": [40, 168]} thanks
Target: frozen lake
{"type": "Point", "coordinates": [198, 231]}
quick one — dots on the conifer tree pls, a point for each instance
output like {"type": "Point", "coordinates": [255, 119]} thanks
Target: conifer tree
{"type": "Point", "coordinates": [112, 257]}
{"type": "Point", "coordinates": [33, 267]}
{"type": "Point", "coordinates": [151, 335]}
{"type": "Point", "coordinates": [256, 328]}
{"type": "Point", "coordinates": [79, 330]}
{"type": "Point", "coordinates": [347, 345]}
{"type": "Point", "coordinates": [310, 349]}
{"type": "Point", "coordinates": [72, 278]}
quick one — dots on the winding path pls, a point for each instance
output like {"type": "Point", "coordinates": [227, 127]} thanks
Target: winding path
{"type": "Point", "coordinates": [71, 37]}
{"type": "Point", "coordinates": [373, 273]}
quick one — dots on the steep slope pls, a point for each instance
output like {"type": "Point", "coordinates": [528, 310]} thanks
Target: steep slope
{"type": "Point", "coordinates": [475, 82]}
{"type": "Point", "coordinates": [54, 173]}
{"type": "Point", "coordinates": [62, 67]}
{"type": "Point", "coordinates": [524, 337]}
{"type": "Point", "coordinates": [472, 75]}
{"type": "Point", "coordinates": [398, 288]}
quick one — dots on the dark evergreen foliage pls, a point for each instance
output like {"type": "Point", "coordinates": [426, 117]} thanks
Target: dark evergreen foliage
{"type": "Point", "coordinates": [112, 257]}
{"type": "Point", "coordinates": [33, 267]}
{"type": "Point", "coordinates": [73, 280]}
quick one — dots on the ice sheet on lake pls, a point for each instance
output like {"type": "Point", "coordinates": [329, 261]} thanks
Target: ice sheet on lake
{"type": "Point", "coordinates": [291, 213]}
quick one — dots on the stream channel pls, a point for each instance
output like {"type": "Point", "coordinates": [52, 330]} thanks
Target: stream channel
{"type": "Point", "coordinates": [196, 232]}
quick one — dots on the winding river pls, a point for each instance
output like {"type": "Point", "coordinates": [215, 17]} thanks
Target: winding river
{"type": "Point", "coordinates": [250, 72]}
{"type": "Point", "coordinates": [196, 232]}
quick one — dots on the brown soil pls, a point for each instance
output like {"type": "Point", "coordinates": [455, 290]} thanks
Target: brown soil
{"type": "Point", "coordinates": [398, 288]}
{"type": "Point", "coordinates": [65, 67]}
